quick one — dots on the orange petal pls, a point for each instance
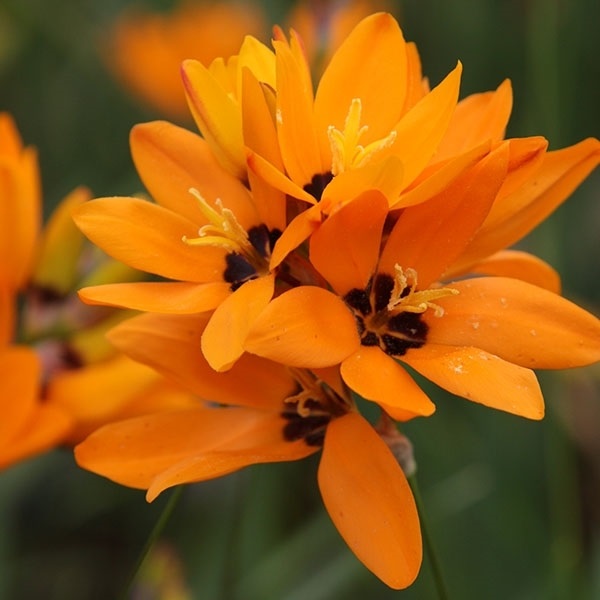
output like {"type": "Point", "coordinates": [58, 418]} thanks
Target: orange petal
{"type": "Point", "coordinates": [262, 442]}
{"type": "Point", "coordinates": [171, 160]}
{"type": "Point", "coordinates": [295, 233]}
{"type": "Point", "coordinates": [481, 377]}
{"type": "Point", "coordinates": [169, 297]}
{"type": "Point", "coordinates": [421, 129]}
{"type": "Point", "coordinates": [7, 316]}
{"type": "Point", "coordinates": [429, 236]}
{"type": "Point", "coordinates": [518, 265]}
{"type": "Point", "coordinates": [437, 177]}
{"type": "Point", "coordinates": [170, 344]}
{"type": "Point", "coordinates": [134, 452]}
{"type": "Point", "coordinates": [518, 322]}
{"type": "Point", "coordinates": [224, 336]}
{"type": "Point", "coordinates": [304, 327]}
{"type": "Point", "coordinates": [415, 86]}
{"type": "Point", "coordinates": [385, 176]}
{"type": "Point", "coordinates": [375, 376]}
{"type": "Point", "coordinates": [369, 501]}
{"type": "Point", "coordinates": [370, 65]}
{"type": "Point", "coordinates": [345, 248]}
{"type": "Point", "coordinates": [515, 215]}
{"type": "Point", "coordinates": [27, 427]}
{"type": "Point", "coordinates": [261, 136]}
{"type": "Point", "coordinates": [525, 157]}
{"type": "Point", "coordinates": [266, 171]}
{"type": "Point", "coordinates": [149, 237]}
{"type": "Point", "coordinates": [20, 206]}
{"type": "Point", "coordinates": [478, 118]}
{"type": "Point", "coordinates": [296, 125]}
{"type": "Point", "coordinates": [217, 115]}
{"type": "Point", "coordinates": [47, 428]}
{"type": "Point", "coordinates": [20, 376]}
{"type": "Point", "coordinates": [138, 451]}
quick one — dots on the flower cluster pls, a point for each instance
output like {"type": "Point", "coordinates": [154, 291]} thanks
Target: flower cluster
{"type": "Point", "coordinates": [312, 243]}
{"type": "Point", "coordinates": [329, 232]}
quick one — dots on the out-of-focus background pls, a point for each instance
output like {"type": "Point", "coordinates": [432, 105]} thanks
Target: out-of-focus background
{"type": "Point", "coordinates": [513, 505]}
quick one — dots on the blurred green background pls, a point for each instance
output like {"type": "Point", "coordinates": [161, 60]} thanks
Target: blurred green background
{"type": "Point", "coordinates": [514, 506]}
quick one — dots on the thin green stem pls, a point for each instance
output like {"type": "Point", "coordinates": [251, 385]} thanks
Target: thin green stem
{"type": "Point", "coordinates": [233, 536]}
{"type": "Point", "coordinates": [158, 528]}
{"type": "Point", "coordinates": [436, 567]}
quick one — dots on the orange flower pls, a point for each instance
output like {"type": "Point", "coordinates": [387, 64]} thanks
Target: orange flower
{"type": "Point", "coordinates": [265, 413]}
{"type": "Point", "coordinates": [206, 233]}
{"type": "Point", "coordinates": [28, 425]}
{"type": "Point", "coordinates": [62, 379]}
{"type": "Point", "coordinates": [410, 300]}
{"type": "Point", "coordinates": [20, 206]}
{"type": "Point", "coordinates": [145, 49]}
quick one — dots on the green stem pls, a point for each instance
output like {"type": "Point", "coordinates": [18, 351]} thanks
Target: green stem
{"type": "Point", "coordinates": [436, 567]}
{"type": "Point", "coordinates": [158, 528]}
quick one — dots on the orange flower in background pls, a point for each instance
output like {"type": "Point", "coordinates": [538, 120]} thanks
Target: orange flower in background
{"type": "Point", "coordinates": [61, 377]}
{"type": "Point", "coordinates": [146, 48]}
{"type": "Point", "coordinates": [20, 206]}
{"type": "Point", "coordinates": [265, 413]}
{"type": "Point", "coordinates": [323, 26]}
{"type": "Point", "coordinates": [28, 426]}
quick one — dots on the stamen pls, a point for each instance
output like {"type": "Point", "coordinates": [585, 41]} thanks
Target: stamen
{"type": "Point", "coordinates": [224, 231]}
{"type": "Point", "coordinates": [346, 151]}
{"type": "Point", "coordinates": [404, 298]}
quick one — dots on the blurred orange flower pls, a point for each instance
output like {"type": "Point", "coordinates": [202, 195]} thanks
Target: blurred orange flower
{"type": "Point", "coordinates": [61, 378]}
{"type": "Point", "coordinates": [145, 48]}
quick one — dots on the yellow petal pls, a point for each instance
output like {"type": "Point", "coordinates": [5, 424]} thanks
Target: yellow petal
{"type": "Point", "coordinates": [169, 297]}
{"type": "Point", "coordinates": [345, 248]}
{"type": "Point", "coordinates": [370, 501]}
{"type": "Point", "coordinates": [481, 377]}
{"type": "Point", "coordinates": [170, 344]}
{"type": "Point", "coordinates": [149, 237]}
{"type": "Point", "coordinates": [224, 336]}
{"type": "Point", "coordinates": [518, 322]}
{"type": "Point", "coordinates": [217, 115]}
{"type": "Point", "coordinates": [60, 247]}
{"type": "Point", "coordinates": [377, 377]}
{"type": "Point", "coordinates": [304, 327]}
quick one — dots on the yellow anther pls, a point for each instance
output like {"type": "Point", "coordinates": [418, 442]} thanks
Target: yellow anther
{"type": "Point", "coordinates": [346, 151]}
{"type": "Point", "coordinates": [404, 298]}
